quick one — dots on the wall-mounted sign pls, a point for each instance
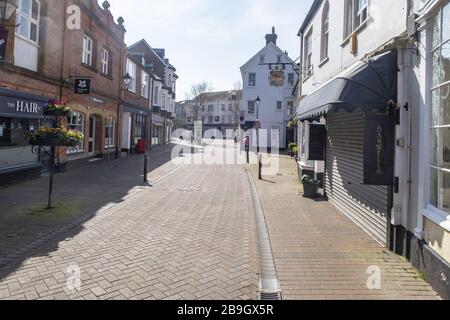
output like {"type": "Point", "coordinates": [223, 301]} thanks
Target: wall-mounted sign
{"type": "Point", "coordinates": [82, 86]}
{"type": "Point", "coordinates": [3, 43]}
{"type": "Point", "coordinates": [379, 150]}
{"type": "Point", "coordinates": [317, 141]}
{"type": "Point", "coordinates": [20, 107]}
{"type": "Point", "coordinates": [276, 78]}
{"type": "Point", "coordinates": [96, 100]}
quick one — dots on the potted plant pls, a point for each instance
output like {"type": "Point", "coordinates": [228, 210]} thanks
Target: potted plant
{"type": "Point", "coordinates": [310, 187]}
{"type": "Point", "coordinates": [56, 109]}
{"type": "Point", "coordinates": [56, 137]}
{"type": "Point", "coordinates": [295, 153]}
{"type": "Point", "coordinates": [291, 147]}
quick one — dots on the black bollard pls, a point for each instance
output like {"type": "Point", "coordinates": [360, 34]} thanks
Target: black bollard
{"type": "Point", "coordinates": [260, 167]}
{"type": "Point", "coordinates": [145, 167]}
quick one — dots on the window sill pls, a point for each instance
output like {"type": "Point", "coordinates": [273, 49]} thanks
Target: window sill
{"type": "Point", "coordinates": [356, 31]}
{"type": "Point", "coordinates": [439, 217]}
{"type": "Point", "coordinates": [324, 61]}
{"type": "Point", "coordinates": [91, 68]}
{"type": "Point", "coordinates": [307, 77]}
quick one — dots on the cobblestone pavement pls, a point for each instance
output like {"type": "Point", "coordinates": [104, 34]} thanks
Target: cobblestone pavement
{"type": "Point", "coordinates": [78, 195]}
{"type": "Point", "coordinates": [321, 254]}
{"type": "Point", "coordinates": [191, 236]}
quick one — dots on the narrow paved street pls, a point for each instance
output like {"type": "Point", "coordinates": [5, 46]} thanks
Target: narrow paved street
{"type": "Point", "coordinates": [192, 235]}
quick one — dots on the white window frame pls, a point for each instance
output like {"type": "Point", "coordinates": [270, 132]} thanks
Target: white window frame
{"type": "Point", "coordinates": [355, 15]}
{"type": "Point", "coordinates": [435, 214]}
{"type": "Point", "coordinates": [105, 62]}
{"type": "Point", "coordinates": [308, 52]}
{"type": "Point", "coordinates": [131, 70]}
{"type": "Point", "coordinates": [325, 37]}
{"type": "Point", "coordinates": [88, 47]}
{"type": "Point", "coordinates": [145, 84]}
{"type": "Point", "coordinates": [28, 17]}
{"type": "Point", "coordinates": [251, 104]}
{"type": "Point", "coordinates": [110, 129]}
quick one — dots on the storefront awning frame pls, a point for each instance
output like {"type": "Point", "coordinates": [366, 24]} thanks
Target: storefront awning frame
{"type": "Point", "coordinates": [368, 86]}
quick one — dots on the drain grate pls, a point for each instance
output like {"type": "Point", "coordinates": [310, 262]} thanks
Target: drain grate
{"type": "Point", "coordinates": [270, 296]}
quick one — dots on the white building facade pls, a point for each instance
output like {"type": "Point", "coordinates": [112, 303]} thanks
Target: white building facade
{"type": "Point", "coordinates": [375, 83]}
{"type": "Point", "coordinates": [220, 112]}
{"type": "Point", "coordinates": [270, 75]}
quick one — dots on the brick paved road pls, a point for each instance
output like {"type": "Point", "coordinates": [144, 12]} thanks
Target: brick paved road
{"type": "Point", "coordinates": [321, 254]}
{"type": "Point", "coordinates": [189, 237]}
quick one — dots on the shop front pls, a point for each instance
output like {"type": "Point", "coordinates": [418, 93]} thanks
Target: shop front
{"type": "Point", "coordinates": [157, 129]}
{"type": "Point", "coordinates": [20, 115]}
{"type": "Point", "coordinates": [351, 125]}
{"type": "Point", "coordinates": [135, 123]}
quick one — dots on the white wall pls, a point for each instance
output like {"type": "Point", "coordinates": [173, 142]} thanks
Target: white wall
{"type": "Point", "coordinates": [386, 20]}
{"type": "Point", "coordinates": [268, 114]}
{"type": "Point", "coordinates": [25, 54]}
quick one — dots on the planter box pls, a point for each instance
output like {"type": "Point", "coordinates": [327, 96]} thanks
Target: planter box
{"type": "Point", "coordinates": [53, 141]}
{"type": "Point", "coordinates": [310, 190]}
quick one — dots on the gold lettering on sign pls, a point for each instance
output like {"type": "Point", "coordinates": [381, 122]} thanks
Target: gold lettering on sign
{"type": "Point", "coordinates": [379, 148]}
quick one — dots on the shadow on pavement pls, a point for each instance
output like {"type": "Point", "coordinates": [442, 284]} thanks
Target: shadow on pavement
{"type": "Point", "coordinates": [28, 230]}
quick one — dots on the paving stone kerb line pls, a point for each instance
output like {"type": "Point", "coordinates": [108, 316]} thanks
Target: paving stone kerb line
{"type": "Point", "coordinates": [191, 237]}
{"type": "Point", "coordinates": [321, 254]}
{"type": "Point", "coordinates": [269, 283]}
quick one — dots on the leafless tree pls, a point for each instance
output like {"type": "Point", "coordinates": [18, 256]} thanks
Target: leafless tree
{"type": "Point", "coordinates": [198, 98]}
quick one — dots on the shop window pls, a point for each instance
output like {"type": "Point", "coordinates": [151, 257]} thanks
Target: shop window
{"type": "Point", "coordinates": [76, 122]}
{"type": "Point", "coordinates": [15, 132]}
{"type": "Point", "coordinates": [110, 133]}
{"type": "Point", "coordinates": [440, 112]}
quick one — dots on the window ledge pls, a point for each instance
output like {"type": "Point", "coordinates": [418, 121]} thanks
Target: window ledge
{"type": "Point", "coordinates": [357, 31]}
{"type": "Point", "coordinates": [324, 61]}
{"type": "Point", "coordinates": [307, 77]}
{"type": "Point", "coordinates": [439, 217]}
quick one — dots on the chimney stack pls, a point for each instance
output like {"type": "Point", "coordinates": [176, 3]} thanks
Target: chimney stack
{"type": "Point", "coordinates": [271, 37]}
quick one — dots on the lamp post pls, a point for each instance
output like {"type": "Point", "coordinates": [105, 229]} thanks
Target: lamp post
{"type": "Point", "coordinates": [7, 9]}
{"type": "Point", "coordinates": [257, 123]}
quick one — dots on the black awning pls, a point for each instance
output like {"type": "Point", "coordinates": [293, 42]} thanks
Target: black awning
{"type": "Point", "coordinates": [367, 85]}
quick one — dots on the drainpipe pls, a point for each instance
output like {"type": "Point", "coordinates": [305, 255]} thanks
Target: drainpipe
{"type": "Point", "coordinates": [119, 105]}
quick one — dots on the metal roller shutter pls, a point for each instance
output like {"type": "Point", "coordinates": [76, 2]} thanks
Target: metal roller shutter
{"type": "Point", "coordinates": [365, 205]}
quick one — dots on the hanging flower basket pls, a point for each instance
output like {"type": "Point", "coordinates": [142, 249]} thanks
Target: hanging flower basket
{"type": "Point", "coordinates": [56, 137]}
{"type": "Point", "coordinates": [57, 109]}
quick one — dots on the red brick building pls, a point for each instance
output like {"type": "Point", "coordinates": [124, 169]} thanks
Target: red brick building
{"type": "Point", "coordinates": [42, 59]}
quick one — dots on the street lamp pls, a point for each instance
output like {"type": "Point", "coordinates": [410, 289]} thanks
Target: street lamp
{"type": "Point", "coordinates": [257, 123]}
{"type": "Point", "coordinates": [7, 9]}
{"type": "Point", "coordinates": [127, 81]}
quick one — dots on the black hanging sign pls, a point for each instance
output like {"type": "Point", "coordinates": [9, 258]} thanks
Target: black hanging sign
{"type": "Point", "coordinates": [317, 140]}
{"type": "Point", "coordinates": [82, 86]}
{"type": "Point", "coordinates": [3, 44]}
{"type": "Point", "coordinates": [379, 150]}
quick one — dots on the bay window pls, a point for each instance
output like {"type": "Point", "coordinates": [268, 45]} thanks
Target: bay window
{"type": "Point", "coordinates": [440, 111]}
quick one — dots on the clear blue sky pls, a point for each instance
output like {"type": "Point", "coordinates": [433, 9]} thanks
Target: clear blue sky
{"type": "Point", "coordinates": [209, 40]}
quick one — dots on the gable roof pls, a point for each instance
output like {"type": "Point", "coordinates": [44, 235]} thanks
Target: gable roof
{"type": "Point", "coordinates": [143, 41]}
{"type": "Point", "coordinates": [270, 44]}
